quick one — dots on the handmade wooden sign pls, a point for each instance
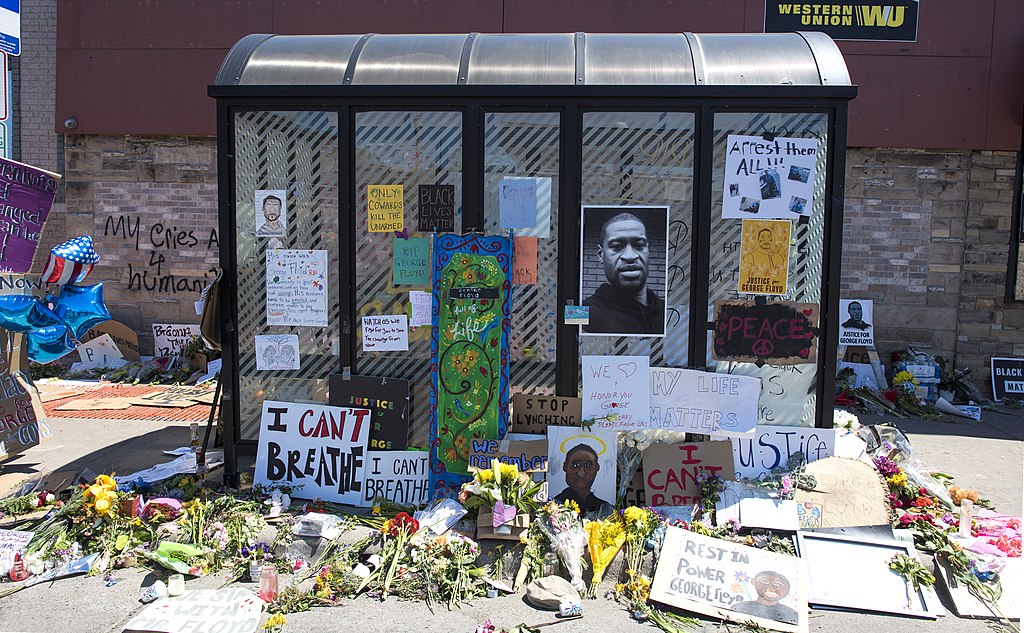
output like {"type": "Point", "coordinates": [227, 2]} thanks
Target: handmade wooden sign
{"type": "Point", "coordinates": [779, 332]}
{"type": "Point", "coordinates": [533, 414]}
{"type": "Point", "coordinates": [21, 411]}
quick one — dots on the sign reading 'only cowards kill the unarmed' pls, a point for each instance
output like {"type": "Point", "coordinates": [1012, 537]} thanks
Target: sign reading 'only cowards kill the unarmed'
{"type": "Point", "coordinates": [319, 450]}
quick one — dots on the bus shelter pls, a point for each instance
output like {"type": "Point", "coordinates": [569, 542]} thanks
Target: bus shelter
{"type": "Point", "coordinates": [723, 143]}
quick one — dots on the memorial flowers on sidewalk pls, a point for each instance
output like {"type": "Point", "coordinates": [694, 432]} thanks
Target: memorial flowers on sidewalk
{"type": "Point", "coordinates": [504, 483]}
{"type": "Point", "coordinates": [564, 529]}
{"type": "Point", "coordinates": [604, 539]}
{"type": "Point", "coordinates": [640, 524]}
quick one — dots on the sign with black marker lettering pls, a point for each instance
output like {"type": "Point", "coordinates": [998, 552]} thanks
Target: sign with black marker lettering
{"type": "Point", "coordinates": [731, 581]}
{"type": "Point", "coordinates": [320, 450]}
{"type": "Point", "coordinates": [694, 401]}
{"type": "Point", "coordinates": [1008, 378]}
{"type": "Point", "coordinates": [399, 476]}
{"type": "Point", "coordinates": [787, 391]}
{"type": "Point", "coordinates": [387, 399]}
{"type": "Point", "coordinates": [773, 446]}
{"type": "Point", "coordinates": [533, 414]}
{"type": "Point", "coordinates": [769, 177]}
{"type": "Point", "coordinates": [436, 208]}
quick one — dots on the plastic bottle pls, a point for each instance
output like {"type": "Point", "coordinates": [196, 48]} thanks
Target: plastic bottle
{"type": "Point", "coordinates": [18, 570]}
{"type": "Point", "coordinates": [268, 583]}
{"type": "Point", "coordinates": [157, 590]}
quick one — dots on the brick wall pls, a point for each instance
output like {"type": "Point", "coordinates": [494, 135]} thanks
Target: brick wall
{"type": "Point", "coordinates": [926, 237]}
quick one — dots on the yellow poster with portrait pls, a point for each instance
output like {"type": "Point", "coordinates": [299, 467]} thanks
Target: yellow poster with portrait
{"type": "Point", "coordinates": [764, 257]}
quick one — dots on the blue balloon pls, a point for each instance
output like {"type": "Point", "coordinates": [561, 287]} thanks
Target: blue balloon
{"type": "Point", "coordinates": [81, 308]}
{"type": "Point", "coordinates": [48, 343]}
{"type": "Point", "coordinates": [23, 313]}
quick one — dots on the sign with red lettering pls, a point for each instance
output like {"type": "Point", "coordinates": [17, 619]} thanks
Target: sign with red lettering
{"type": "Point", "coordinates": [672, 472]}
{"type": "Point", "coordinates": [780, 332]}
{"type": "Point", "coordinates": [318, 450]}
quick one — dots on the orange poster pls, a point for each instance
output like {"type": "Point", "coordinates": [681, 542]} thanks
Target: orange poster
{"type": "Point", "coordinates": [524, 261]}
{"type": "Point", "coordinates": [764, 257]}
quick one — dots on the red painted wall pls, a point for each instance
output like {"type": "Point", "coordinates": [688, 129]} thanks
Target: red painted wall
{"type": "Point", "coordinates": [143, 66]}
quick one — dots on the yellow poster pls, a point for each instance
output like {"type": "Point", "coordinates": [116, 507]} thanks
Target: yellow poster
{"type": "Point", "coordinates": [385, 205]}
{"type": "Point", "coordinates": [764, 257]}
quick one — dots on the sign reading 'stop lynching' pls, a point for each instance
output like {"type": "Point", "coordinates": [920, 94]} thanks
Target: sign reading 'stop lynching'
{"type": "Point", "coordinates": [890, 20]}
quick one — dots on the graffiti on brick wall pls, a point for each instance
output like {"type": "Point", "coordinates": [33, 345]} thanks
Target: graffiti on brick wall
{"type": "Point", "coordinates": [151, 273]}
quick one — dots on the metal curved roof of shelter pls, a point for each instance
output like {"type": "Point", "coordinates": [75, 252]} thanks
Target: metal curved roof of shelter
{"type": "Point", "coordinates": [718, 59]}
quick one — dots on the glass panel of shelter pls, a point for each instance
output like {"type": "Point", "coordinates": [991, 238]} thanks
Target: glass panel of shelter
{"type": "Point", "coordinates": [791, 388]}
{"type": "Point", "coordinates": [408, 148]}
{"type": "Point", "coordinates": [297, 153]}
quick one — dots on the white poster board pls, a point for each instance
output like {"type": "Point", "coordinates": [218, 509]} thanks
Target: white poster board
{"type": "Point", "coordinates": [296, 287]}
{"type": "Point", "coordinates": [694, 401]}
{"type": "Point", "coordinates": [731, 581]}
{"type": "Point", "coordinates": [857, 326]}
{"type": "Point", "coordinates": [772, 446]}
{"type": "Point", "coordinates": [386, 333]}
{"type": "Point", "coordinates": [399, 476]}
{"type": "Point", "coordinates": [617, 392]}
{"type": "Point", "coordinates": [11, 542]}
{"type": "Point", "coordinates": [421, 303]}
{"type": "Point", "coordinates": [787, 391]}
{"type": "Point", "coordinates": [320, 450]}
{"type": "Point", "coordinates": [769, 178]}
{"type": "Point", "coordinates": [276, 352]}
{"type": "Point", "coordinates": [202, 611]}
{"type": "Point", "coordinates": [170, 338]}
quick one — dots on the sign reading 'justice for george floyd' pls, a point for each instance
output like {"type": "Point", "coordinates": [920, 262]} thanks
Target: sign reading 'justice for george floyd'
{"type": "Point", "coordinates": [317, 449]}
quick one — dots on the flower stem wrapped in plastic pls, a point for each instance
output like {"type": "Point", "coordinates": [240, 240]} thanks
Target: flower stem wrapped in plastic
{"type": "Point", "coordinates": [563, 527]}
{"type": "Point", "coordinates": [605, 539]}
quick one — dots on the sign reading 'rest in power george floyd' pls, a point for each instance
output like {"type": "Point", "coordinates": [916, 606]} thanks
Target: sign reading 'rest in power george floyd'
{"type": "Point", "coordinates": [887, 20]}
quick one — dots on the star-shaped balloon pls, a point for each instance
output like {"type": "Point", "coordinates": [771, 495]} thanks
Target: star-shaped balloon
{"type": "Point", "coordinates": [70, 262]}
{"type": "Point", "coordinates": [81, 308]}
{"type": "Point", "coordinates": [24, 313]}
{"type": "Point", "coordinates": [48, 343]}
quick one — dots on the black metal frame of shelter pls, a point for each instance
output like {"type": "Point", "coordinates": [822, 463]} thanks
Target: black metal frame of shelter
{"type": "Point", "coordinates": [474, 101]}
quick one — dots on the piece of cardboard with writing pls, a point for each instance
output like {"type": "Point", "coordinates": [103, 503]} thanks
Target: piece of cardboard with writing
{"type": "Point", "coordinates": [20, 406]}
{"type": "Point", "coordinates": [530, 457]}
{"type": "Point", "coordinates": [849, 492]}
{"type": "Point", "coordinates": [776, 332]}
{"type": "Point", "coordinates": [96, 404]}
{"type": "Point", "coordinates": [172, 397]}
{"type": "Point", "coordinates": [49, 393]}
{"type": "Point", "coordinates": [672, 471]}
{"type": "Point", "coordinates": [716, 578]}
{"type": "Point", "coordinates": [533, 414]}
{"type": "Point", "coordinates": [388, 398]}
{"type": "Point", "coordinates": [126, 339]}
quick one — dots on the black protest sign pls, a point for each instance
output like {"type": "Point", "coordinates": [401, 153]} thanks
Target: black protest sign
{"type": "Point", "coordinates": [782, 333]}
{"type": "Point", "coordinates": [533, 414]}
{"type": "Point", "coordinates": [387, 398]}
{"type": "Point", "coordinates": [319, 451]}
{"type": "Point", "coordinates": [1008, 378]}
{"type": "Point", "coordinates": [437, 208]}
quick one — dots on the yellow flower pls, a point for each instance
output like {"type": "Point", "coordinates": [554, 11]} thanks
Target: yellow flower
{"type": "Point", "coordinates": [605, 540]}
{"type": "Point", "coordinates": [484, 476]}
{"type": "Point", "coordinates": [572, 505]}
{"type": "Point", "coordinates": [634, 514]}
{"type": "Point", "coordinates": [103, 504]}
{"type": "Point", "coordinates": [95, 490]}
{"type": "Point", "coordinates": [376, 510]}
{"type": "Point", "coordinates": [508, 470]}
{"type": "Point", "coordinates": [106, 482]}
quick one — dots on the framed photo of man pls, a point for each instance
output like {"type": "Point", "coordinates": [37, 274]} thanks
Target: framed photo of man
{"type": "Point", "coordinates": [623, 279]}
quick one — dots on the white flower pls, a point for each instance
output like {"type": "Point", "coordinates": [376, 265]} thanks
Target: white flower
{"type": "Point", "coordinates": [845, 419]}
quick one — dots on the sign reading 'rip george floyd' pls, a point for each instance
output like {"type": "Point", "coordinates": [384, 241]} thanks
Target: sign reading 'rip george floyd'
{"type": "Point", "coordinates": [782, 333]}
{"type": "Point", "coordinates": [387, 398]}
{"type": "Point", "coordinates": [319, 451]}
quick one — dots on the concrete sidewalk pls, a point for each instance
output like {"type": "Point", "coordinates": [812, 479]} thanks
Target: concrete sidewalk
{"type": "Point", "coordinates": [986, 455]}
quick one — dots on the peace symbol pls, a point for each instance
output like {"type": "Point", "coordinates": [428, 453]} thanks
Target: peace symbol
{"type": "Point", "coordinates": [762, 348]}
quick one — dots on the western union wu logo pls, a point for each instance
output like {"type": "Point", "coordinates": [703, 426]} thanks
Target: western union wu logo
{"type": "Point", "coordinates": [896, 21]}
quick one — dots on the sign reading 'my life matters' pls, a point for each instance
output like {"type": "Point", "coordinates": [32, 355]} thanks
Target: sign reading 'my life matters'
{"type": "Point", "coordinates": [319, 450]}
{"type": "Point", "coordinates": [778, 332]}
{"type": "Point", "coordinates": [399, 476]}
{"type": "Point", "coordinates": [469, 342]}
{"type": "Point", "coordinates": [26, 194]}
{"type": "Point", "coordinates": [694, 401]}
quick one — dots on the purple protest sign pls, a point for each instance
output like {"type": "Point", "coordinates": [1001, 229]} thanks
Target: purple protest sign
{"type": "Point", "coordinates": [26, 194]}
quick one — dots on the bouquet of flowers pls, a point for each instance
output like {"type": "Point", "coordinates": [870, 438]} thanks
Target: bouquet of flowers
{"type": "Point", "coordinates": [446, 564]}
{"type": "Point", "coordinates": [504, 483]}
{"type": "Point", "coordinates": [562, 525]}
{"type": "Point", "coordinates": [605, 539]}
{"type": "Point", "coordinates": [640, 524]}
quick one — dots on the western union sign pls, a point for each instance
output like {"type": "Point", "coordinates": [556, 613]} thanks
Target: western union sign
{"type": "Point", "coordinates": [891, 21]}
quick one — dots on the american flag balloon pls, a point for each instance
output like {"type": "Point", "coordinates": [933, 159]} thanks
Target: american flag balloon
{"type": "Point", "coordinates": [70, 262]}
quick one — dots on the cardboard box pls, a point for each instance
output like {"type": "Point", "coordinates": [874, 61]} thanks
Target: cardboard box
{"type": "Point", "coordinates": [485, 527]}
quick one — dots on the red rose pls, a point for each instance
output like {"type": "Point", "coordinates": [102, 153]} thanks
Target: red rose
{"type": "Point", "coordinates": [405, 523]}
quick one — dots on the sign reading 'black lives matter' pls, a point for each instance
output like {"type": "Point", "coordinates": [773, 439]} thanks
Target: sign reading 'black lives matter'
{"type": "Point", "coordinates": [1008, 378]}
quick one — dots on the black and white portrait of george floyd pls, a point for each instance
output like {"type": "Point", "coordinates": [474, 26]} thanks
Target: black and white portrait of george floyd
{"type": "Point", "coordinates": [623, 265]}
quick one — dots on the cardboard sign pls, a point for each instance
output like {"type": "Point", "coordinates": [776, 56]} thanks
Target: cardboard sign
{"type": "Point", "coordinates": [386, 333]}
{"type": "Point", "coordinates": [764, 257]}
{"type": "Point", "coordinates": [731, 581]}
{"type": "Point", "coordinates": [319, 449]}
{"type": "Point", "coordinates": [769, 178]}
{"type": "Point", "coordinates": [177, 397]}
{"type": "Point", "coordinates": [672, 471]}
{"type": "Point", "coordinates": [533, 414]}
{"type": "Point", "coordinates": [524, 261]}
{"type": "Point", "coordinates": [170, 338]}
{"type": "Point", "coordinates": [782, 333]}
{"type": "Point", "coordinates": [617, 392]}
{"type": "Point", "coordinates": [99, 404]}
{"type": "Point", "coordinates": [296, 287]}
{"type": "Point", "coordinates": [100, 351]}
{"type": "Point", "coordinates": [694, 401]}
{"type": "Point", "coordinates": [517, 203]}
{"type": "Point", "coordinates": [124, 337]}
{"type": "Point", "coordinates": [387, 398]}
{"type": "Point", "coordinates": [1008, 378]}
{"type": "Point", "coordinates": [202, 611]}
{"type": "Point", "coordinates": [26, 193]}
{"type": "Point", "coordinates": [11, 542]}
{"type": "Point", "coordinates": [385, 208]}
{"type": "Point", "coordinates": [530, 457]}
{"type": "Point", "coordinates": [411, 261]}
{"type": "Point", "coordinates": [857, 328]}
{"type": "Point", "coordinates": [398, 476]}
{"type": "Point", "coordinates": [21, 411]}
{"type": "Point", "coordinates": [848, 493]}
{"type": "Point", "coordinates": [772, 446]}
{"type": "Point", "coordinates": [436, 208]}
{"type": "Point", "coordinates": [421, 303]}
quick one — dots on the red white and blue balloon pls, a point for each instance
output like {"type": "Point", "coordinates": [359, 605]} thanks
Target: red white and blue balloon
{"type": "Point", "coordinates": [71, 262]}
